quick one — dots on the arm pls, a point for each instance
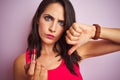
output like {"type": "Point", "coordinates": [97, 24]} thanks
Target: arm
{"type": "Point", "coordinates": [97, 48]}
{"type": "Point", "coordinates": [18, 67]}
{"type": "Point", "coordinates": [110, 43]}
{"type": "Point", "coordinates": [110, 40]}
{"type": "Point", "coordinates": [33, 72]}
{"type": "Point", "coordinates": [112, 34]}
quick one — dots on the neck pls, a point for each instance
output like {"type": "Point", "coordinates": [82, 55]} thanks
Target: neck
{"type": "Point", "coordinates": [47, 49]}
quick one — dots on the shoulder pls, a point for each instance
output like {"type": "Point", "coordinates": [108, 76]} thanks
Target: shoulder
{"type": "Point", "coordinates": [19, 63]}
{"type": "Point", "coordinates": [20, 59]}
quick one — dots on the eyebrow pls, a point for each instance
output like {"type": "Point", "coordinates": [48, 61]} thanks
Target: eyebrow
{"type": "Point", "coordinates": [53, 17]}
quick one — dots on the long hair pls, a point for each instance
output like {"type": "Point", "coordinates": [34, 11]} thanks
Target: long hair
{"type": "Point", "coordinates": [34, 40]}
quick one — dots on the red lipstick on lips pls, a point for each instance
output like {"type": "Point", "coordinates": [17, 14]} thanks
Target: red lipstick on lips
{"type": "Point", "coordinates": [50, 36]}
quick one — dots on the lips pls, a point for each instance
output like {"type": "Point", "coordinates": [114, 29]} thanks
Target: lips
{"type": "Point", "coordinates": [50, 36]}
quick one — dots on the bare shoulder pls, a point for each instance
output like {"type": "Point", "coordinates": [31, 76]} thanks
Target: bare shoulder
{"type": "Point", "coordinates": [20, 59]}
{"type": "Point", "coordinates": [19, 73]}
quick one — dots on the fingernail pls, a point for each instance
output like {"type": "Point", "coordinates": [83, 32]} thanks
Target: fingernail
{"type": "Point", "coordinates": [34, 51]}
{"type": "Point", "coordinates": [33, 57]}
{"type": "Point", "coordinates": [34, 54]}
{"type": "Point", "coordinates": [69, 53]}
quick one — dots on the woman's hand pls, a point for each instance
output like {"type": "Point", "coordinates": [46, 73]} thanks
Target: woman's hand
{"type": "Point", "coordinates": [35, 71]}
{"type": "Point", "coordinates": [79, 34]}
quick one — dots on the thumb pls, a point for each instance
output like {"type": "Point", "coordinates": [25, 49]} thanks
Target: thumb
{"type": "Point", "coordinates": [72, 49]}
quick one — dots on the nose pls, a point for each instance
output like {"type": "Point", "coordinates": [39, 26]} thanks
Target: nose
{"type": "Point", "coordinates": [52, 28]}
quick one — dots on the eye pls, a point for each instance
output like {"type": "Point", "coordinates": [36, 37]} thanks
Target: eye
{"type": "Point", "coordinates": [61, 23]}
{"type": "Point", "coordinates": [48, 18]}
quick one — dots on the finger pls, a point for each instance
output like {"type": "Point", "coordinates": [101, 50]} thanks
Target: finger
{"type": "Point", "coordinates": [74, 32]}
{"type": "Point", "coordinates": [44, 73]}
{"type": "Point", "coordinates": [31, 69]}
{"type": "Point", "coordinates": [72, 37]}
{"type": "Point", "coordinates": [37, 71]}
{"type": "Point", "coordinates": [32, 65]}
{"type": "Point", "coordinates": [69, 41]}
{"type": "Point", "coordinates": [33, 57]}
{"type": "Point", "coordinates": [72, 49]}
{"type": "Point", "coordinates": [76, 27]}
{"type": "Point", "coordinates": [26, 67]}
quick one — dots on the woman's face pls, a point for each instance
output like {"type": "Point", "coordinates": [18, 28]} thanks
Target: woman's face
{"type": "Point", "coordinates": [51, 23]}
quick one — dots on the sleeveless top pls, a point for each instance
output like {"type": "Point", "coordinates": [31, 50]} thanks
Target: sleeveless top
{"type": "Point", "coordinates": [61, 72]}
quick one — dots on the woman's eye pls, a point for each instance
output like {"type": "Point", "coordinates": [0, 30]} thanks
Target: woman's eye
{"type": "Point", "coordinates": [48, 18]}
{"type": "Point", "coordinates": [61, 23]}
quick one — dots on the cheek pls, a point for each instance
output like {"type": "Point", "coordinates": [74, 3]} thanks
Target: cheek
{"type": "Point", "coordinates": [41, 30]}
{"type": "Point", "coordinates": [42, 27]}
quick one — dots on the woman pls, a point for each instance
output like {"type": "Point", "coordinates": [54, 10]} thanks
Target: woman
{"type": "Point", "coordinates": [57, 44]}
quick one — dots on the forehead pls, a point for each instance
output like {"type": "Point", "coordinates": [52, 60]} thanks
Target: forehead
{"type": "Point", "coordinates": [56, 10]}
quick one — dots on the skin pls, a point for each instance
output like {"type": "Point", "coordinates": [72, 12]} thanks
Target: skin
{"type": "Point", "coordinates": [86, 47]}
{"type": "Point", "coordinates": [78, 35]}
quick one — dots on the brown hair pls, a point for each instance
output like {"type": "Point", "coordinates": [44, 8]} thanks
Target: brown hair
{"type": "Point", "coordinates": [34, 40]}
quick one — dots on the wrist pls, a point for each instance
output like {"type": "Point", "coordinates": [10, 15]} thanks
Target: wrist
{"type": "Point", "coordinates": [93, 31]}
{"type": "Point", "coordinates": [96, 31]}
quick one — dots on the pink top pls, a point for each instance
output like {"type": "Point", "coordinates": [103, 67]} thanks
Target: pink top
{"type": "Point", "coordinates": [28, 59]}
{"type": "Point", "coordinates": [61, 72]}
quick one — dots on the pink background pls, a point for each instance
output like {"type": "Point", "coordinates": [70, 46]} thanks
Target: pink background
{"type": "Point", "coordinates": [15, 22]}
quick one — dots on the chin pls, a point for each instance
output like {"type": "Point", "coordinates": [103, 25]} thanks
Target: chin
{"type": "Point", "coordinates": [49, 42]}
